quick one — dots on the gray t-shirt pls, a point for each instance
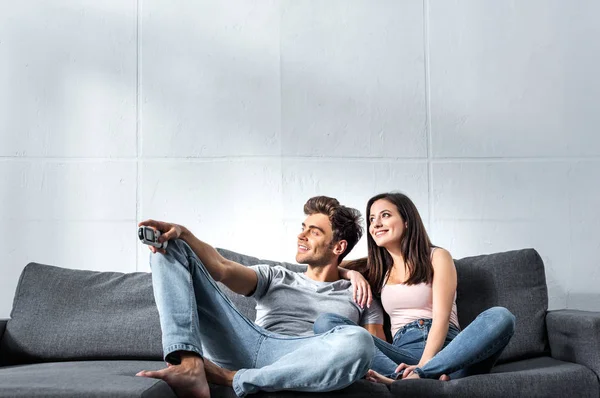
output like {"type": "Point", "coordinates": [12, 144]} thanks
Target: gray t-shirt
{"type": "Point", "coordinates": [289, 302]}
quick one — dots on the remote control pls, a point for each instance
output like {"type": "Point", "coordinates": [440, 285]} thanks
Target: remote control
{"type": "Point", "coordinates": [149, 236]}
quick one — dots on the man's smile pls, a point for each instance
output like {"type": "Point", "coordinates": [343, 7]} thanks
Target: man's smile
{"type": "Point", "coordinates": [302, 248]}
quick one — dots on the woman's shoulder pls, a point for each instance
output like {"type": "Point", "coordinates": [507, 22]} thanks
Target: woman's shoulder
{"type": "Point", "coordinates": [441, 257]}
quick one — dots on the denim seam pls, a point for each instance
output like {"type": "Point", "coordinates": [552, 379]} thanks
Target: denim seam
{"type": "Point", "coordinates": [235, 383]}
{"type": "Point", "coordinates": [479, 358]}
{"type": "Point", "coordinates": [182, 347]}
{"type": "Point", "coordinates": [194, 331]}
{"type": "Point", "coordinates": [493, 349]}
{"type": "Point", "coordinates": [258, 347]}
{"type": "Point", "coordinates": [192, 300]}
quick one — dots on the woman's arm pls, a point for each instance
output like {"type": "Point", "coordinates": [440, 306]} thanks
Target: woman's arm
{"type": "Point", "coordinates": [444, 290]}
{"type": "Point", "coordinates": [361, 290]}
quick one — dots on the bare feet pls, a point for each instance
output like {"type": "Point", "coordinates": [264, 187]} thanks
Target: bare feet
{"type": "Point", "coordinates": [375, 377]}
{"type": "Point", "coordinates": [187, 379]}
{"type": "Point", "coordinates": [415, 375]}
{"type": "Point", "coordinates": [378, 378]}
{"type": "Point", "coordinates": [218, 375]}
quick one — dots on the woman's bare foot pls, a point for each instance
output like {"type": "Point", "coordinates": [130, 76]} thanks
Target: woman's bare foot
{"type": "Point", "coordinates": [218, 375]}
{"type": "Point", "coordinates": [375, 377]}
{"type": "Point", "coordinates": [415, 375]}
{"type": "Point", "coordinates": [187, 379]}
{"type": "Point", "coordinates": [378, 378]}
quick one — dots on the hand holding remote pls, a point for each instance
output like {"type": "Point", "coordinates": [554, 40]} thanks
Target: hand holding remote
{"type": "Point", "coordinates": [167, 231]}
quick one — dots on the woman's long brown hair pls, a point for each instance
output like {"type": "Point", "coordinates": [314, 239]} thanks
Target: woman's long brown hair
{"type": "Point", "coordinates": [414, 243]}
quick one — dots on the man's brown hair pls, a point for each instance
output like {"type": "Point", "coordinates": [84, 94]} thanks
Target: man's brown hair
{"type": "Point", "coordinates": [345, 221]}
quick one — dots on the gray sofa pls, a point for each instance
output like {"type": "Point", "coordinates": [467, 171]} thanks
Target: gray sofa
{"type": "Point", "coordinates": [76, 333]}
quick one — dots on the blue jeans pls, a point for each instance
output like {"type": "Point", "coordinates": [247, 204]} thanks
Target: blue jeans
{"type": "Point", "coordinates": [472, 351]}
{"type": "Point", "coordinates": [196, 316]}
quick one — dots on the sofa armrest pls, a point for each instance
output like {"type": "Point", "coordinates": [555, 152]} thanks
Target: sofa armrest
{"type": "Point", "coordinates": [3, 323]}
{"type": "Point", "coordinates": [574, 336]}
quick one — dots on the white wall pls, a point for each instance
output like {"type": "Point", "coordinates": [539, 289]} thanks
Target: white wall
{"type": "Point", "coordinates": [227, 116]}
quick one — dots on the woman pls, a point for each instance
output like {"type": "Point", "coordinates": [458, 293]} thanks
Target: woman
{"type": "Point", "coordinates": [416, 282]}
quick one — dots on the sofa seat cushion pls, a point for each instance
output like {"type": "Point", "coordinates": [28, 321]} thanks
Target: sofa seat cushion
{"type": "Point", "coordinates": [360, 389]}
{"type": "Point", "coordinates": [117, 379]}
{"type": "Point", "coordinates": [536, 377]}
{"type": "Point", "coordinates": [83, 379]}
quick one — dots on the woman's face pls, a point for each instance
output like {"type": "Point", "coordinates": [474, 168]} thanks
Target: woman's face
{"type": "Point", "coordinates": [386, 226]}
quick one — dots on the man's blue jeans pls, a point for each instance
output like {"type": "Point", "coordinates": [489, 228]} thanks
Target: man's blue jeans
{"type": "Point", "coordinates": [196, 316]}
{"type": "Point", "coordinates": [472, 351]}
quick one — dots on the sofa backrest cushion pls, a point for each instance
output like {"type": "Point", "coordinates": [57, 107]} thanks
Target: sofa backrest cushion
{"type": "Point", "coordinates": [515, 280]}
{"type": "Point", "coordinates": [65, 314]}
{"type": "Point", "coordinates": [247, 305]}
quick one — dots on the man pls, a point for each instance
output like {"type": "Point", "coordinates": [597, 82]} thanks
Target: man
{"type": "Point", "coordinates": [204, 335]}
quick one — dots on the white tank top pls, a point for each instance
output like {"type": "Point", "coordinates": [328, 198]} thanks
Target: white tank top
{"type": "Point", "coordinates": [408, 303]}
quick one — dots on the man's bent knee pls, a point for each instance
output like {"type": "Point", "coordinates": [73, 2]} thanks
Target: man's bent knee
{"type": "Point", "coordinates": [356, 347]}
{"type": "Point", "coordinates": [177, 248]}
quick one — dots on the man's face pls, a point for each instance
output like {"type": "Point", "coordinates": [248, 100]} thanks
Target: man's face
{"type": "Point", "coordinates": [314, 242]}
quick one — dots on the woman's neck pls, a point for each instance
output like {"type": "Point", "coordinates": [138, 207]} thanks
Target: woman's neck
{"type": "Point", "coordinates": [397, 257]}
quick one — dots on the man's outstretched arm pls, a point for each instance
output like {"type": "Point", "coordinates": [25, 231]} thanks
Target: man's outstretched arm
{"type": "Point", "coordinates": [236, 277]}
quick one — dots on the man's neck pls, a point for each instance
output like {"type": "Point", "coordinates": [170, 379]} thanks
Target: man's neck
{"type": "Point", "coordinates": [326, 273]}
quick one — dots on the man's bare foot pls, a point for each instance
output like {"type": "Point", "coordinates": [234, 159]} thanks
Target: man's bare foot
{"type": "Point", "coordinates": [218, 375]}
{"type": "Point", "coordinates": [187, 379]}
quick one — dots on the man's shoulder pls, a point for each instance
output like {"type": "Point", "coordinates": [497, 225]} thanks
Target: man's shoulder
{"type": "Point", "coordinates": [277, 270]}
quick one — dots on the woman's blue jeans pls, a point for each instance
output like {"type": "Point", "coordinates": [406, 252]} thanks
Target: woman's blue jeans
{"type": "Point", "coordinates": [472, 351]}
{"type": "Point", "coordinates": [196, 316]}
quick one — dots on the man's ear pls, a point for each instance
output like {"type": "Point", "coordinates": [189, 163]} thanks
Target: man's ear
{"type": "Point", "coordinates": [340, 247]}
